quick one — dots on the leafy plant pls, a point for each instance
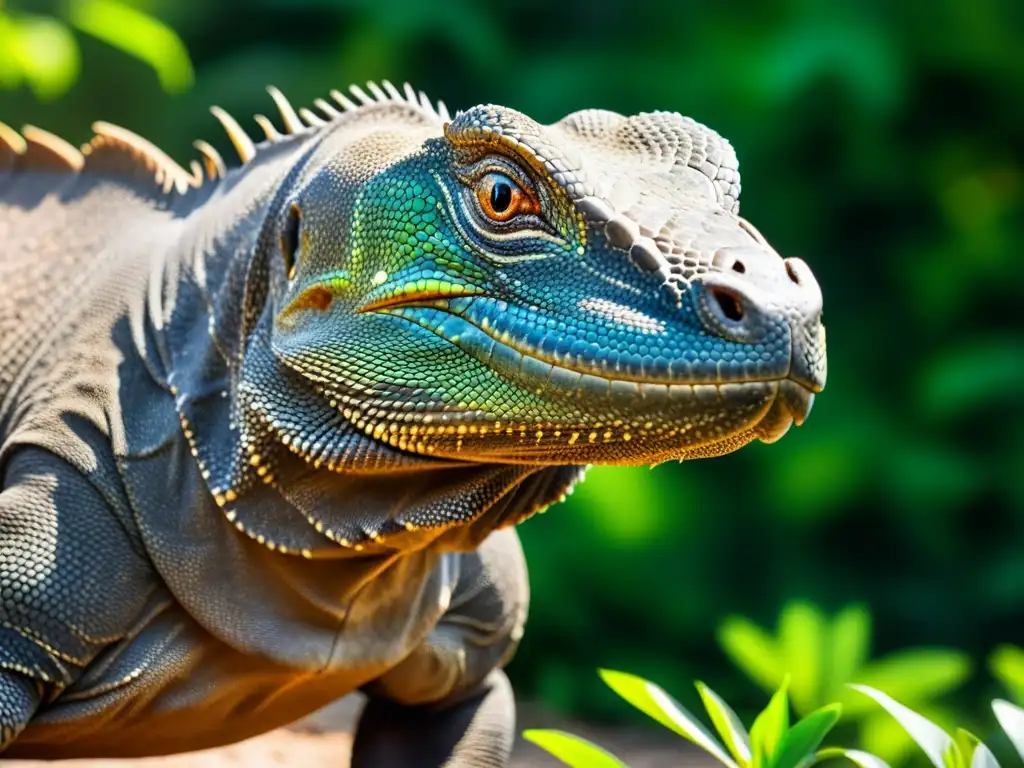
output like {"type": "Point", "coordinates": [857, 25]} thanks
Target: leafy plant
{"type": "Point", "coordinates": [964, 750]}
{"type": "Point", "coordinates": [1011, 719]}
{"type": "Point", "coordinates": [42, 52]}
{"type": "Point", "coordinates": [771, 742]}
{"type": "Point", "coordinates": [1007, 665]}
{"type": "Point", "coordinates": [822, 654]}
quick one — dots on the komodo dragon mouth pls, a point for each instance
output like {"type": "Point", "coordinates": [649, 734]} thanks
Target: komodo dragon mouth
{"type": "Point", "coordinates": [481, 327]}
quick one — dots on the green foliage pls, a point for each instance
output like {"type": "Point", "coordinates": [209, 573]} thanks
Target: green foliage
{"type": "Point", "coordinates": [138, 34]}
{"type": "Point", "coordinates": [822, 654]}
{"type": "Point", "coordinates": [38, 50]}
{"type": "Point", "coordinates": [1007, 665]}
{"type": "Point", "coordinates": [728, 725]}
{"type": "Point", "coordinates": [42, 52]}
{"type": "Point", "coordinates": [964, 750]}
{"type": "Point", "coordinates": [799, 745]}
{"type": "Point", "coordinates": [937, 745]}
{"type": "Point", "coordinates": [769, 727]}
{"type": "Point", "coordinates": [771, 743]}
{"type": "Point", "coordinates": [572, 750]}
{"type": "Point", "coordinates": [1011, 719]}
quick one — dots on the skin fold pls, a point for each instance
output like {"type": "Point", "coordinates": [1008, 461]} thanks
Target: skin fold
{"type": "Point", "coordinates": [264, 433]}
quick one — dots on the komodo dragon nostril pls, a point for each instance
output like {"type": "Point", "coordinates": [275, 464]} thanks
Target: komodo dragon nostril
{"type": "Point", "coordinates": [792, 273]}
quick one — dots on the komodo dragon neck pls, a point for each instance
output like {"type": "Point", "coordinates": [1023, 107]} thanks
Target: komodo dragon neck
{"type": "Point", "coordinates": [203, 329]}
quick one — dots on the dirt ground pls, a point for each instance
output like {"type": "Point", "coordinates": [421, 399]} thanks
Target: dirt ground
{"type": "Point", "coordinates": [324, 739]}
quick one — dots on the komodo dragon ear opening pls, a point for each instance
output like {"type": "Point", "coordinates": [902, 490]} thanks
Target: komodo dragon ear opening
{"type": "Point", "coordinates": [291, 239]}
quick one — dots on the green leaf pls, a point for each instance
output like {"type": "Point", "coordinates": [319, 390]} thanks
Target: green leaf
{"type": "Point", "coordinates": [862, 759]}
{"type": "Point", "coordinates": [1011, 720]}
{"type": "Point", "coordinates": [935, 742]}
{"type": "Point", "coordinates": [967, 743]}
{"type": "Point", "coordinates": [752, 650]}
{"type": "Point", "coordinates": [983, 758]}
{"type": "Point", "coordinates": [917, 675]}
{"type": "Point", "coordinates": [727, 724]}
{"type": "Point", "coordinates": [880, 735]}
{"type": "Point", "coordinates": [967, 740]}
{"type": "Point", "coordinates": [799, 743]}
{"type": "Point", "coordinates": [47, 55]}
{"type": "Point", "coordinates": [138, 34]}
{"type": "Point", "coordinates": [885, 737]}
{"type": "Point", "coordinates": [572, 750]}
{"type": "Point", "coordinates": [849, 647]}
{"type": "Point", "coordinates": [953, 757]}
{"type": "Point", "coordinates": [769, 728]}
{"type": "Point", "coordinates": [10, 70]}
{"type": "Point", "coordinates": [654, 702]}
{"type": "Point", "coordinates": [802, 629]}
{"type": "Point", "coordinates": [1007, 666]}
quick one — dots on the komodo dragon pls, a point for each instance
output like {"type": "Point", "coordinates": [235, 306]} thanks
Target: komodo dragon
{"type": "Point", "coordinates": [264, 432]}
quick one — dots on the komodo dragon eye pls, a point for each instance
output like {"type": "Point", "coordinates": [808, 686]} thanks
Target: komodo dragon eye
{"type": "Point", "coordinates": [501, 198]}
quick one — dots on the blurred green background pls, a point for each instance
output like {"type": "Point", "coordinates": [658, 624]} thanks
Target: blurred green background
{"type": "Point", "coordinates": [882, 141]}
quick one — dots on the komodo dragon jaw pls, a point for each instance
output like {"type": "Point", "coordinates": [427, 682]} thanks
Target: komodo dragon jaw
{"type": "Point", "coordinates": [583, 292]}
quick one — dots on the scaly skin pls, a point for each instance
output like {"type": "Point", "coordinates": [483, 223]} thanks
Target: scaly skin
{"type": "Point", "coordinates": [264, 435]}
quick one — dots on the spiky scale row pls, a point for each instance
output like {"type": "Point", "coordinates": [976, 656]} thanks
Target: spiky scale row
{"type": "Point", "coordinates": [37, 149]}
{"type": "Point", "coordinates": [298, 121]}
{"type": "Point", "coordinates": [112, 148]}
{"type": "Point", "coordinates": [53, 152]}
{"type": "Point", "coordinates": [166, 172]}
{"type": "Point", "coordinates": [303, 119]}
{"type": "Point", "coordinates": [312, 118]}
{"type": "Point", "coordinates": [269, 129]}
{"type": "Point", "coordinates": [239, 138]}
{"type": "Point", "coordinates": [214, 163]}
{"type": "Point", "coordinates": [292, 123]}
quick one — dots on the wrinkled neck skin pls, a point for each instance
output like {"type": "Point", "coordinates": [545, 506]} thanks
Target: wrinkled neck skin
{"type": "Point", "coordinates": [359, 496]}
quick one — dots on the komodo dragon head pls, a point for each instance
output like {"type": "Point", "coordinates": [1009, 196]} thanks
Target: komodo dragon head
{"type": "Point", "coordinates": [396, 322]}
{"type": "Point", "coordinates": [498, 290]}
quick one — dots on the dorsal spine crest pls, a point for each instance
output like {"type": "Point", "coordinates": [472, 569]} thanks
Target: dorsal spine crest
{"type": "Point", "coordinates": [114, 149]}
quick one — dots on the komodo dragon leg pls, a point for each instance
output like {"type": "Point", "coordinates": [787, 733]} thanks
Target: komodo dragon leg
{"type": "Point", "coordinates": [71, 580]}
{"type": "Point", "coordinates": [19, 698]}
{"type": "Point", "coordinates": [449, 703]}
